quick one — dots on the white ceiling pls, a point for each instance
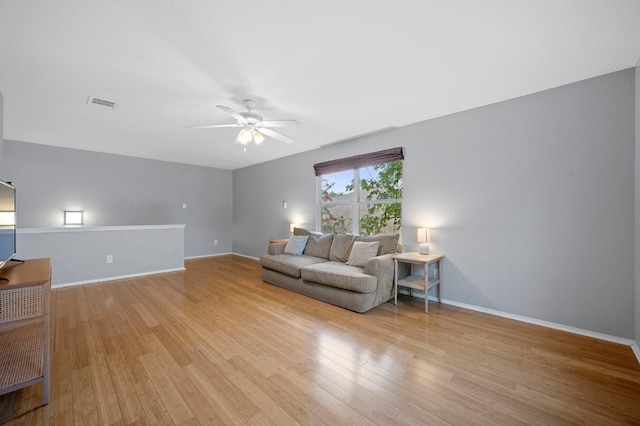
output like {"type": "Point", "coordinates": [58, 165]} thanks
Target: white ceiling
{"type": "Point", "coordinates": [342, 68]}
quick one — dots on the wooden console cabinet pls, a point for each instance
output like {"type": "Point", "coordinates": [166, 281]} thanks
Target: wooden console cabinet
{"type": "Point", "coordinates": [25, 343]}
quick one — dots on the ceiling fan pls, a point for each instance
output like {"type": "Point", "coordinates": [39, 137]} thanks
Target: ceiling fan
{"type": "Point", "coordinates": [254, 128]}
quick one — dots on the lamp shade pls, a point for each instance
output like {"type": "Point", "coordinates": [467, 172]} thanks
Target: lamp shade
{"type": "Point", "coordinates": [424, 235]}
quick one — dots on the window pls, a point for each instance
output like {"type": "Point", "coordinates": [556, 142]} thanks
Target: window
{"type": "Point", "coordinates": [373, 205]}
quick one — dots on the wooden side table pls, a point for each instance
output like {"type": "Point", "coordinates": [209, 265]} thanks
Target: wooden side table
{"type": "Point", "coordinates": [25, 326]}
{"type": "Point", "coordinates": [415, 280]}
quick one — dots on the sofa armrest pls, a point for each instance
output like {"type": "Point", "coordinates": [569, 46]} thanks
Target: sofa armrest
{"type": "Point", "coordinates": [380, 267]}
{"type": "Point", "coordinates": [383, 268]}
{"type": "Point", "coordinates": [276, 247]}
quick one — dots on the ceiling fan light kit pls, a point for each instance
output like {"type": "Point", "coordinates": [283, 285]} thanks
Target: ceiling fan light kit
{"type": "Point", "coordinates": [257, 137]}
{"type": "Point", "coordinates": [254, 128]}
{"type": "Point", "coordinates": [248, 134]}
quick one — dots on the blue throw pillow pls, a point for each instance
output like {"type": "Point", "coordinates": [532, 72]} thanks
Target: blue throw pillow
{"type": "Point", "coordinates": [296, 244]}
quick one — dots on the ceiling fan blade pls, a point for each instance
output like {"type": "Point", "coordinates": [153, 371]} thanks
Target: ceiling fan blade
{"type": "Point", "coordinates": [280, 123]}
{"type": "Point", "coordinates": [211, 126]}
{"type": "Point", "coordinates": [275, 135]}
{"type": "Point", "coordinates": [231, 112]}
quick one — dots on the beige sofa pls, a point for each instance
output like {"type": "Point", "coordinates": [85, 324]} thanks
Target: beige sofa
{"type": "Point", "coordinates": [327, 271]}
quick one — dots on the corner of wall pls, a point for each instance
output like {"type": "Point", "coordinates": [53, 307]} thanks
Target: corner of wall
{"type": "Point", "coordinates": [637, 207]}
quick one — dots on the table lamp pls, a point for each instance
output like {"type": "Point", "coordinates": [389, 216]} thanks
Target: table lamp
{"type": "Point", "coordinates": [424, 236]}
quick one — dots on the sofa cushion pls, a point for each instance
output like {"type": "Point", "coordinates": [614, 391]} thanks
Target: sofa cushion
{"type": "Point", "coordinates": [288, 264]}
{"type": "Point", "coordinates": [362, 252]}
{"type": "Point", "coordinates": [388, 242]}
{"type": "Point", "coordinates": [340, 275]}
{"type": "Point", "coordinates": [341, 247]}
{"type": "Point", "coordinates": [319, 245]}
{"type": "Point", "coordinates": [302, 231]}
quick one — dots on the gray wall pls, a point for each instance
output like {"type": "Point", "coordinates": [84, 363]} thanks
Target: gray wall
{"type": "Point", "coordinates": [531, 200]}
{"type": "Point", "coordinates": [258, 196]}
{"type": "Point", "coordinates": [117, 190]}
{"type": "Point", "coordinates": [78, 254]}
{"type": "Point", "coordinates": [1, 128]}
{"type": "Point", "coordinates": [637, 194]}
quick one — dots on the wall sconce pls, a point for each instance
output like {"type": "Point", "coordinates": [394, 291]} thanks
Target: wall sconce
{"type": "Point", "coordinates": [424, 237]}
{"type": "Point", "coordinates": [73, 217]}
{"type": "Point", "coordinates": [7, 218]}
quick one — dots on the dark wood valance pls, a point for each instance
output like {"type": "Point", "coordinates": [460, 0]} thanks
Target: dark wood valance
{"type": "Point", "coordinates": [358, 161]}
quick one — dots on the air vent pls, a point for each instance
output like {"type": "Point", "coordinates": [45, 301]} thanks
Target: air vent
{"type": "Point", "coordinates": [101, 102]}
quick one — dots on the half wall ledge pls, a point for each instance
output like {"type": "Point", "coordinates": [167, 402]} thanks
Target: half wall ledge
{"type": "Point", "coordinates": [83, 254]}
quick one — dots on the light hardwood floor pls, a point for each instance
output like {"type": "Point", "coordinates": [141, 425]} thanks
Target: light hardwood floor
{"type": "Point", "coordinates": [216, 345]}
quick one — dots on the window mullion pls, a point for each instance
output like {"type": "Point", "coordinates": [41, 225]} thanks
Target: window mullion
{"type": "Point", "coordinates": [356, 202]}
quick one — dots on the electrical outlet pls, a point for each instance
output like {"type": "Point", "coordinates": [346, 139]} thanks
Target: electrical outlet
{"type": "Point", "coordinates": [184, 206]}
{"type": "Point", "coordinates": [110, 258]}
{"type": "Point", "coordinates": [215, 242]}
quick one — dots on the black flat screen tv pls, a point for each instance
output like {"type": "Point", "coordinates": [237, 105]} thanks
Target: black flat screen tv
{"type": "Point", "coordinates": [7, 222]}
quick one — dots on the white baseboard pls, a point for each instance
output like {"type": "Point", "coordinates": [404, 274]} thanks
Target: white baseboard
{"type": "Point", "coordinates": [208, 255]}
{"type": "Point", "coordinates": [222, 254]}
{"type": "Point", "coordinates": [549, 324]}
{"type": "Point", "coordinates": [636, 351]}
{"type": "Point", "coordinates": [142, 274]}
{"type": "Point", "coordinates": [120, 277]}
{"type": "Point", "coordinates": [247, 256]}
{"type": "Point", "coordinates": [569, 329]}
